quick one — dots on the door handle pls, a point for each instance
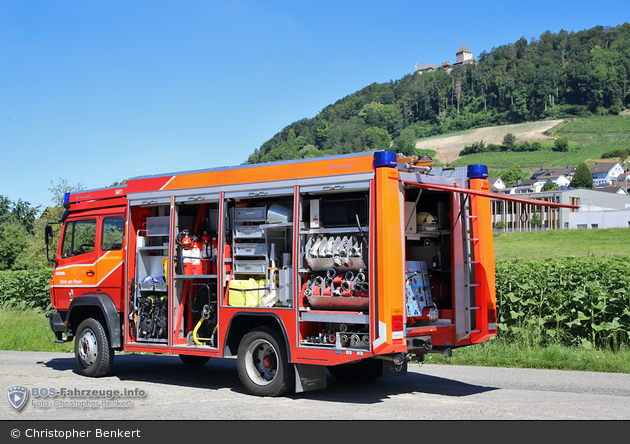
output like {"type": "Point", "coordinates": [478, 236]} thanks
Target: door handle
{"type": "Point", "coordinates": [89, 273]}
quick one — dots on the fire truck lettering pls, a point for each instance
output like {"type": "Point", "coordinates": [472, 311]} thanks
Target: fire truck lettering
{"type": "Point", "coordinates": [333, 166]}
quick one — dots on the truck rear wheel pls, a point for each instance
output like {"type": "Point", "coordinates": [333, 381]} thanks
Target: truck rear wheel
{"type": "Point", "coordinates": [91, 349]}
{"type": "Point", "coordinates": [262, 363]}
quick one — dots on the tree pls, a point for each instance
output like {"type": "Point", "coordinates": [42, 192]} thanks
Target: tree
{"type": "Point", "coordinates": [13, 239]}
{"type": "Point", "coordinates": [61, 189]}
{"type": "Point", "coordinates": [405, 143]}
{"type": "Point", "coordinates": [511, 176]}
{"type": "Point", "coordinates": [16, 229]}
{"type": "Point", "coordinates": [548, 186]}
{"type": "Point", "coordinates": [377, 138]}
{"type": "Point", "coordinates": [561, 145]}
{"type": "Point", "coordinates": [508, 141]}
{"type": "Point", "coordinates": [536, 220]}
{"type": "Point", "coordinates": [582, 177]}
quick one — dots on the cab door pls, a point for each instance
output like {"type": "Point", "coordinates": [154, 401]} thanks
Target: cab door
{"type": "Point", "coordinates": [75, 272]}
{"type": "Point", "coordinates": [111, 257]}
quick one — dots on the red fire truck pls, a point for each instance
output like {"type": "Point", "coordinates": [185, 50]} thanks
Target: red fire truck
{"type": "Point", "coordinates": [349, 264]}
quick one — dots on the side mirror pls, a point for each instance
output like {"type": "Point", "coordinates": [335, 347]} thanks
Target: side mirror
{"type": "Point", "coordinates": [48, 234]}
{"type": "Point", "coordinates": [48, 240]}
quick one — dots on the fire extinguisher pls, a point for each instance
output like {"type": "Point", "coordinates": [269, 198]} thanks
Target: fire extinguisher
{"type": "Point", "coordinates": [214, 255]}
{"type": "Point", "coordinates": [206, 254]}
{"type": "Point", "coordinates": [191, 253]}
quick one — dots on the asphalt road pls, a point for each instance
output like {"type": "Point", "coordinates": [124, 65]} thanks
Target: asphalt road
{"type": "Point", "coordinates": [214, 392]}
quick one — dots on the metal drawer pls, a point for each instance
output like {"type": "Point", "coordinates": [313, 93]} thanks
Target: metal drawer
{"type": "Point", "coordinates": [250, 266]}
{"type": "Point", "coordinates": [250, 249]}
{"type": "Point", "coordinates": [248, 232]}
{"type": "Point", "coordinates": [250, 214]}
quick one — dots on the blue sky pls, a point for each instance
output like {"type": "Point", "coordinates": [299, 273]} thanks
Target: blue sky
{"type": "Point", "coordinates": [100, 91]}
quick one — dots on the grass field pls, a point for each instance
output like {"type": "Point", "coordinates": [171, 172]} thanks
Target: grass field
{"type": "Point", "coordinates": [604, 124]}
{"type": "Point", "coordinates": [500, 353]}
{"type": "Point", "coordinates": [563, 243]}
{"type": "Point", "coordinates": [28, 330]}
{"type": "Point", "coordinates": [588, 138]}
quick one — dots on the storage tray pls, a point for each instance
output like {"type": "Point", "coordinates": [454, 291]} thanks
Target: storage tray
{"type": "Point", "coordinates": [248, 232]}
{"type": "Point", "coordinates": [249, 249]}
{"type": "Point", "coordinates": [250, 266]}
{"type": "Point", "coordinates": [250, 214]}
{"type": "Point", "coordinates": [158, 226]}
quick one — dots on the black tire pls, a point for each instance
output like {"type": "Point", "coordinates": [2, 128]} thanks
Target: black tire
{"type": "Point", "coordinates": [262, 363]}
{"type": "Point", "coordinates": [93, 354]}
{"type": "Point", "coordinates": [194, 360]}
{"type": "Point", "coordinates": [366, 370]}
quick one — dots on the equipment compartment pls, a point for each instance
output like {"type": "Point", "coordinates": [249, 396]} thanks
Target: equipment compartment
{"type": "Point", "coordinates": [334, 278]}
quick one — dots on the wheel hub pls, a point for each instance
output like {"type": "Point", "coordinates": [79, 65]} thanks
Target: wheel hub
{"type": "Point", "coordinates": [262, 362]}
{"type": "Point", "coordinates": [88, 348]}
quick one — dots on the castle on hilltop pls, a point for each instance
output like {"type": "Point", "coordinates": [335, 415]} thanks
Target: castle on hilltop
{"type": "Point", "coordinates": [462, 57]}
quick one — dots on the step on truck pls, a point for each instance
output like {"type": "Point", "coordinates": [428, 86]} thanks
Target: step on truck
{"type": "Point", "coordinates": [352, 265]}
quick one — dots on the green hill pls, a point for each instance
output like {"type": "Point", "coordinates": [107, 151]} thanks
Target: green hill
{"type": "Point", "coordinates": [590, 139]}
{"type": "Point", "coordinates": [557, 76]}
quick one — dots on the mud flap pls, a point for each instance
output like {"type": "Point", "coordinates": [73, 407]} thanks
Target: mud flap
{"type": "Point", "coordinates": [309, 377]}
{"type": "Point", "coordinates": [390, 369]}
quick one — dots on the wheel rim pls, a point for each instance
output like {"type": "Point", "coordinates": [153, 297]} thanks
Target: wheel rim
{"type": "Point", "coordinates": [88, 347]}
{"type": "Point", "coordinates": [262, 362]}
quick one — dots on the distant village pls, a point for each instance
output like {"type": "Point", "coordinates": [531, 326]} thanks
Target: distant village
{"type": "Point", "coordinates": [607, 205]}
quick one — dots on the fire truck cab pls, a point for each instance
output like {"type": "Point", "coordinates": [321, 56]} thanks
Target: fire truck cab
{"type": "Point", "coordinates": [354, 264]}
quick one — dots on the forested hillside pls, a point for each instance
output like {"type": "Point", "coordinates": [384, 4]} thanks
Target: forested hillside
{"type": "Point", "coordinates": [557, 75]}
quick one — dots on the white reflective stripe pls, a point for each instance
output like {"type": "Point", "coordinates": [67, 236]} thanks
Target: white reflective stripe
{"type": "Point", "coordinates": [72, 285]}
{"type": "Point", "coordinates": [95, 285]}
{"type": "Point", "coordinates": [167, 182]}
{"type": "Point", "coordinates": [82, 265]}
{"type": "Point", "coordinates": [108, 274]}
{"type": "Point", "coordinates": [382, 334]}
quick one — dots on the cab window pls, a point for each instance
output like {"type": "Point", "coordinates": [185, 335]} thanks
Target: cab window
{"type": "Point", "coordinates": [79, 237]}
{"type": "Point", "coordinates": [112, 238]}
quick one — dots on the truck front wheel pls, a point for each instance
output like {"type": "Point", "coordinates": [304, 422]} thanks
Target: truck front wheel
{"type": "Point", "coordinates": [91, 349]}
{"type": "Point", "coordinates": [262, 363]}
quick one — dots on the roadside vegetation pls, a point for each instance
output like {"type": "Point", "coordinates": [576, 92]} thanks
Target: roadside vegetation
{"type": "Point", "coordinates": [609, 242]}
{"type": "Point", "coordinates": [499, 352]}
{"type": "Point", "coordinates": [28, 330]}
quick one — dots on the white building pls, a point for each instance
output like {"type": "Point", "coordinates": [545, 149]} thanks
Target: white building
{"type": "Point", "coordinates": [551, 173]}
{"type": "Point", "coordinates": [606, 173]}
{"type": "Point", "coordinates": [561, 180]}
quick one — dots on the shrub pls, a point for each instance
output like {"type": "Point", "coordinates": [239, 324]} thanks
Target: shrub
{"type": "Point", "coordinates": [25, 288]}
{"type": "Point", "coordinates": [575, 300]}
{"type": "Point", "coordinates": [621, 153]}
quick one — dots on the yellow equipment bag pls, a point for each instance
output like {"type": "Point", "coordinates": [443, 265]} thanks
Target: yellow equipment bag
{"type": "Point", "coordinates": [246, 293]}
